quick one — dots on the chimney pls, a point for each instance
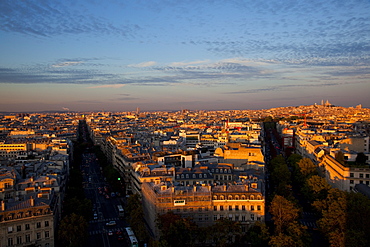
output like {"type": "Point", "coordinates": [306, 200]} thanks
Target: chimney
{"type": "Point", "coordinates": [195, 188]}
{"type": "Point", "coordinates": [224, 187]}
{"type": "Point", "coordinates": [2, 206]}
{"type": "Point", "coordinates": [32, 201]}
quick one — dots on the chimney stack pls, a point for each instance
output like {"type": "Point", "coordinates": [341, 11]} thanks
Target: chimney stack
{"type": "Point", "coordinates": [2, 206]}
{"type": "Point", "coordinates": [32, 201]}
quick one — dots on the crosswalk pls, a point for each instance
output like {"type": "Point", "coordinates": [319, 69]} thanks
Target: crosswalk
{"type": "Point", "coordinates": [103, 220]}
{"type": "Point", "coordinates": [114, 230]}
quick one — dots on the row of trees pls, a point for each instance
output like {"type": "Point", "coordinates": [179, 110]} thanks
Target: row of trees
{"type": "Point", "coordinates": [342, 216]}
{"type": "Point", "coordinates": [77, 209]}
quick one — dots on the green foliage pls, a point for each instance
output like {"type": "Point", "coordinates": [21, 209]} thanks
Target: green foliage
{"type": "Point", "coordinates": [340, 157]}
{"type": "Point", "coordinates": [258, 235]}
{"type": "Point", "coordinates": [224, 231]}
{"type": "Point", "coordinates": [288, 231]}
{"type": "Point", "coordinates": [333, 221]}
{"type": "Point", "coordinates": [307, 167]}
{"type": "Point", "coordinates": [176, 231]}
{"type": "Point", "coordinates": [79, 206]}
{"type": "Point", "coordinates": [73, 231]}
{"type": "Point", "coordinates": [319, 187]}
{"type": "Point", "coordinates": [361, 158]}
{"type": "Point", "coordinates": [294, 159]}
{"type": "Point", "coordinates": [358, 224]}
{"type": "Point", "coordinates": [136, 217]}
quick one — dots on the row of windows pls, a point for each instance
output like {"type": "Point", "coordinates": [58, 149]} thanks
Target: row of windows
{"type": "Point", "coordinates": [193, 176]}
{"type": "Point", "coordinates": [221, 170]}
{"type": "Point", "coordinates": [237, 208]}
{"type": "Point", "coordinates": [361, 182]}
{"type": "Point", "coordinates": [361, 175]}
{"type": "Point", "coordinates": [27, 238]}
{"type": "Point", "coordinates": [27, 226]}
{"type": "Point", "coordinates": [242, 218]}
{"type": "Point", "coordinates": [237, 197]}
{"type": "Point", "coordinates": [29, 213]}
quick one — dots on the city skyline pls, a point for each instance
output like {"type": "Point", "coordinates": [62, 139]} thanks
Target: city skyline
{"type": "Point", "coordinates": [89, 55]}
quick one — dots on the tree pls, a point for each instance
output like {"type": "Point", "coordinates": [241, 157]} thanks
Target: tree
{"type": "Point", "coordinates": [319, 187]}
{"type": "Point", "coordinates": [224, 232]}
{"type": "Point", "coordinates": [284, 212]}
{"type": "Point", "coordinates": [288, 231]}
{"type": "Point", "coordinates": [135, 211]}
{"type": "Point", "coordinates": [358, 224]}
{"type": "Point", "coordinates": [258, 235]}
{"type": "Point", "coordinates": [176, 231]}
{"type": "Point", "coordinates": [73, 230]}
{"type": "Point", "coordinates": [307, 167]}
{"type": "Point", "coordinates": [333, 222]}
{"type": "Point", "coordinates": [294, 159]}
{"type": "Point", "coordinates": [361, 158]}
{"type": "Point", "coordinates": [340, 157]}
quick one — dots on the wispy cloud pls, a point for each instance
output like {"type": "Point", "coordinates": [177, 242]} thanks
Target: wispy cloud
{"type": "Point", "coordinates": [51, 18]}
{"type": "Point", "coordinates": [143, 64]}
{"type": "Point", "coordinates": [109, 86]}
{"type": "Point", "coordinates": [66, 64]}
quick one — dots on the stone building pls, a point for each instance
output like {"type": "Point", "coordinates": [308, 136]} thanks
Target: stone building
{"type": "Point", "coordinates": [243, 202]}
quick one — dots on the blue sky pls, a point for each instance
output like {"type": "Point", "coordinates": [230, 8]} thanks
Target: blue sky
{"type": "Point", "coordinates": [116, 55]}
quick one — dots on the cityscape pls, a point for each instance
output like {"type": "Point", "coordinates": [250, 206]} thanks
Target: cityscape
{"type": "Point", "coordinates": [181, 178]}
{"type": "Point", "coordinates": [157, 123]}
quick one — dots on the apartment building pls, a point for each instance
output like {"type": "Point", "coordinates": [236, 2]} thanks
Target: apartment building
{"type": "Point", "coordinates": [27, 223]}
{"type": "Point", "coordinates": [344, 177]}
{"type": "Point", "coordinates": [244, 203]}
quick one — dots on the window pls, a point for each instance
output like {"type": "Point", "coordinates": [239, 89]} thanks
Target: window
{"type": "Point", "coordinates": [28, 238]}
{"type": "Point", "coordinates": [27, 226]}
{"type": "Point", "coordinates": [10, 229]}
{"type": "Point", "coordinates": [200, 209]}
{"type": "Point", "coordinates": [47, 235]}
{"type": "Point", "coordinates": [351, 181]}
{"type": "Point", "coordinates": [361, 175]}
{"type": "Point", "coordinates": [221, 217]}
{"type": "Point", "coordinates": [236, 207]}
{"type": "Point", "coordinates": [19, 239]}
{"type": "Point", "coordinates": [259, 218]}
{"type": "Point", "coordinates": [215, 217]}
{"type": "Point", "coordinates": [19, 228]}
{"type": "Point", "coordinates": [230, 208]}
{"type": "Point", "coordinates": [38, 224]}
{"type": "Point", "coordinates": [236, 217]}
{"type": "Point", "coordinates": [10, 241]}
{"type": "Point", "coordinates": [221, 208]}
{"type": "Point", "coordinates": [46, 223]}
{"type": "Point", "coordinates": [367, 175]}
{"type": "Point", "coordinates": [214, 208]}
{"type": "Point", "coordinates": [252, 216]}
{"type": "Point", "coordinates": [258, 207]}
{"type": "Point", "coordinates": [252, 208]}
{"type": "Point", "coordinates": [38, 235]}
{"type": "Point", "coordinates": [243, 217]}
{"type": "Point", "coordinates": [351, 175]}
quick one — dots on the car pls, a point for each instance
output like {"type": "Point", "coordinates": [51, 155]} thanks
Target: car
{"type": "Point", "coordinates": [111, 223]}
{"type": "Point", "coordinates": [110, 233]}
{"type": "Point", "coordinates": [95, 216]}
{"type": "Point", "coordinates": [119, 232]}
{"type": "Point", "coordinates": [120, 237]}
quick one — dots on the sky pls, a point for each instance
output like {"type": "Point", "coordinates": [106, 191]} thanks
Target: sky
{"type": "Point", "coordinates": [120, 55]}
